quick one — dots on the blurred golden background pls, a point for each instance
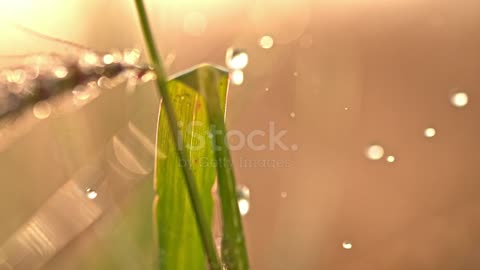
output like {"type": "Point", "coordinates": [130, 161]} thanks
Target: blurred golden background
{"type": "Point", "coordinates": [339, 76]}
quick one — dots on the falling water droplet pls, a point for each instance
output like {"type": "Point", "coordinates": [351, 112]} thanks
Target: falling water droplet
{"type": "Point", "coordinates": [267, 89]}
{"type": "Point", "coordinates": [347, 245]}
{"type": "Point", "coordinates": [295, 74]}
{"type": "Point", "coordinates": [459, 99]}
{"type": "Point", "coordinates": [429, 132]}
{"type": "Point", "coordinates": [390, 159]}
{"type": "Point", "coordinates": [42, 110]}
{"type": "Point", "coordinates": [292, 115]}
{"type": "Point", "coordinates": [374, 152]}
{"type": "Point", "coordinates": [91, 194]}
{"type": "Point", "coordinates": [243, 199]}
{"type": "Point", "coordinates": [237, 77]}
{"type": "Point", "coordinates": [266, 42]}
{"type": "Point", "coordinates": [283, 194]}
{"type": "Point", "coordinates": [236, 58]}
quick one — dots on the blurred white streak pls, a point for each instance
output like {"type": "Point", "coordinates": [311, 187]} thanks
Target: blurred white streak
{"type": "Point", "coordinates": [126, 159]}
{"type": "Point", "coordinates": [66, 214]}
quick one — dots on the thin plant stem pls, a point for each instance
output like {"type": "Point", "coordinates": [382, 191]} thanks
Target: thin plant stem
{"type": "Point", "coordinates": [161, 83]}
{"type": "Point", "coordinates": [234, 251]}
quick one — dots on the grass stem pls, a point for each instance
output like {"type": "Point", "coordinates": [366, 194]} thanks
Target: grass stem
{"type": "Point", "coordinates": [161, 83]}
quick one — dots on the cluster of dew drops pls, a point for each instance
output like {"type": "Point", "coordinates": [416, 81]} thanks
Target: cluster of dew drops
{"type": "Point", "coordinates": [88, 72]}
{"type": "Point", "coordinates": [55, 70]}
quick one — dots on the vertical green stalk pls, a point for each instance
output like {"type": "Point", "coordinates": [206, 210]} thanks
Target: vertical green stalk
{"type": "Point", "coordinates": [234, 251]}
{"type": "Point", "coordinates": [161, 82]}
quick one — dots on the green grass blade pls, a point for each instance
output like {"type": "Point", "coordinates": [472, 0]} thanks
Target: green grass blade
{"type": "Point", "coordinates": [179, 242]}
{"type": "Point", "coordinates": [183, 163]}
{"type": "Point", "coordinates": [234, 252]}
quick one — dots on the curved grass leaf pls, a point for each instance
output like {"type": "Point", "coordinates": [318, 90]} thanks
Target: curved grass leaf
{"type": "Point", "coordinates": [180, 246]}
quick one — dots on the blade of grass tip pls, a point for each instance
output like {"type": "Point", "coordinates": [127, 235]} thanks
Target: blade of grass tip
{"type": "Point", "coordinates": [161, 83]}
{"type": "Point", "coordinates": [234, 251]}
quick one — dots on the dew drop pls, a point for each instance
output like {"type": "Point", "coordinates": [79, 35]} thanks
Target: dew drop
{"type": "Point", "coordinates": [105, 82]}
{"type": "Point", "coordinates": [60, 72]}
{"type": "Point", "coordinates": [236, 58]}
{"type": "Point", "coordinates": [90, 58]}
{"type": "Point", "coordinates": [374, 152]}
{"type": "Point", "coordinates": [108, 59]}
{"type": "Point", "coordinates": [16, 76]}
{"type": "Point", "coordinates": [81, 94]}
{"type": "Point", "coordinates": [244, 206]}
{"type": "Point", "coordinates": [266, 42]}
{"type": "Point", "coordinates": [148, 76]}
{"type": "Point", "coordinates": [429, 132]}
{"type": "Point", "coordinates": [91, 194]}
{"type": "Point", "coordinates": [347, 245]}
{"type": "Point", "coordinates": [243, 199]}
{"type": "Point", "coordinates": [390, 159]}
{"type": "Point", "coordinates": [237, 77]}
{"type": "Point", "coordinates": [459, 99]}
{"type": "Point", "coordinates": [131, 56]}
{"type": "Point", "coordinates": [42, 110]}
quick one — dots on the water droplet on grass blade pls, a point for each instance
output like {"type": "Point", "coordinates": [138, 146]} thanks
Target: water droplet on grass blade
{"type": "Point", "coordinates": [108, 59]}
{"type": "Point", "coordinates": [42, 110]}
{"type": "Point", "coordinates": [243, 199]}
{"type": "Point", "coordinates": [16, 76]}
{"type": "Point", "coordinates": [131, 56]}
{"type": "Point", "coordinates": [60, 72]}
{"type": "Point", "coordinates": [236, 58]}
{"type": "Point", "coordinates": [148, 76]}
{"type": "Point", "coordinates": [237, 77]}
{"type": "Point", "coordinates": [89, 58]}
